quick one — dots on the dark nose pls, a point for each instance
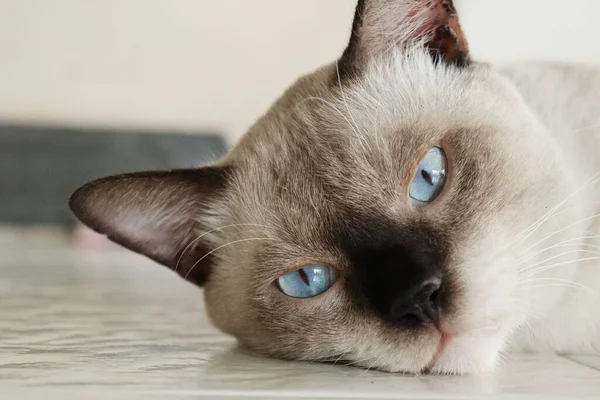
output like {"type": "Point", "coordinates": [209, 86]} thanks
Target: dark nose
{"type": "Point", "coordinates": [420, 303]}
{"type": "Point", "coordinates": [404, 281]}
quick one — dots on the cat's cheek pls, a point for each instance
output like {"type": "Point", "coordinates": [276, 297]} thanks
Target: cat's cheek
{"type": "Point", "coordinates": [483, 307]}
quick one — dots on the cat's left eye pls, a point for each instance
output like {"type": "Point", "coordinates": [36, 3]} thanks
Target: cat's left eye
{"type": "Point", "coordinates": [430, 178]}
{"type": "Point", "coordinates": [309, 281]}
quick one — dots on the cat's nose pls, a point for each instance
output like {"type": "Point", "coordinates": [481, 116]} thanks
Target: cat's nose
{"type": "Point", "coordinates": [419, 304]}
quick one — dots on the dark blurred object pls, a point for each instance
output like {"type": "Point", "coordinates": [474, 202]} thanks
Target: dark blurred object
{"type": "Point", "coordinates": [41, 166]}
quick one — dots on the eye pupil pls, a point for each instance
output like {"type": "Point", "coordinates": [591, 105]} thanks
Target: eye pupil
{"type": "Point", "coordinates": [304, 276]}
{"type": "Point", "coordinates": [427, 177]}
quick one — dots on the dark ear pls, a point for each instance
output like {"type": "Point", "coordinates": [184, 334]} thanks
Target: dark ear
{"type": "Point", "coordinates": [156, 213]}
{"type": "Point", "coordinates": [381, 25]}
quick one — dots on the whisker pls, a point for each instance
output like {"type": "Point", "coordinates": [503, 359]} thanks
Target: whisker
{"type": "Point", "coordinates": [220, 247]}
{"type": "Point", "coordinates": [526, 233]}
{"type": "Point", "coordinates": [207, 233]}
{"type": "Point", "coordinates": [551, 266]}
{"type": "Point", "coordinates": [536, 225]}
{"type": "Point", "coordinates": [562, 283]}
{"type": "Point", "coordinates": [560, 231]}
{"type": "Point", "coordinates": [556, 207]}
{"type": "Point", "coordinates": [337, 69]}
{"type": "Point", "coordinates": [530, 267]}
{"type": "Point", "coordinates": [372, 365]}
{"type": "Point", "coordinates": [340, 357]}
{"type": "Point", "coordinates": [337, 110]}
{"type": "Point", "coordinates": [357, 363]}
{"type": "Point", "coordinates": [564, 243]}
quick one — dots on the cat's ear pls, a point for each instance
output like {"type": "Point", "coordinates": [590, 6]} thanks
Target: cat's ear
{"type": "Point", "coordinates": [381, 25]}
{"type": "Point", "coordinates": [157, 214]}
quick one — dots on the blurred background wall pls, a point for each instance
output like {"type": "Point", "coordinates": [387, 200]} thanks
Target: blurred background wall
{"type": "Point", "coordinates": [193, 65]}
{"type": "Point", "coordinates": [95, 87]}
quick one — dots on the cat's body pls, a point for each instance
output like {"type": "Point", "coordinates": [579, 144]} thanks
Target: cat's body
{"type": "Point", "coordinates": [566, 98]}
{"type": "Point", "coordinates": [403, 208]}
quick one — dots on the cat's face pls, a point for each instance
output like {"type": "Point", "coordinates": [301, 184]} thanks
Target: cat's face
{"type": "Point", "coordinates": [387, 210]}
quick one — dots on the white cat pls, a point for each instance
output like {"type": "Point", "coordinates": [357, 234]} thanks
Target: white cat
{"type": "Point", "coordinates": [405, 208]}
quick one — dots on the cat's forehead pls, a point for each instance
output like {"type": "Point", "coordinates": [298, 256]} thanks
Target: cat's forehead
{"type": "Point", "coordinates": [355, 142]}
{"type": "Point", "coordinates": [401, 104]}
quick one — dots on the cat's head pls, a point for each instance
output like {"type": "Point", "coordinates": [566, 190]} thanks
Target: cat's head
{"type": "Point", "coordinates": [389, 210]}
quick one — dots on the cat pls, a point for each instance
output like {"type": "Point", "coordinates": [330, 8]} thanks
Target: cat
{"type": "Point", "coordinates": [405, 208]}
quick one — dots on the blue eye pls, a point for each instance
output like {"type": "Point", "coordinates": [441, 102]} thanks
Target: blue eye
{"type": "Point", "coordinates": [306, 282]}
{"type": "Point", "coordinates": [430, 177]}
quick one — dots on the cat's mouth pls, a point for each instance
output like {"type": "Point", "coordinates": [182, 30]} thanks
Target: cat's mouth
{"type": "Point", "coordinates": [445, 340]}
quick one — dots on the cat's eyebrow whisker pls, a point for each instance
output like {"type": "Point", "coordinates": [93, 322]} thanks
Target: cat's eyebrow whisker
{"type": "Point", "coordinates": [273, 215]}
{"type": "Point", "coordinates": [337, 70]}
{"type": "Point", "coordinates": [207, 233]}
{"type": "Point", "coordinates": [220, 247]}
{"type": "Point", "coordinates": [336, 109]}
{"type": "Point", "coordinates": [328, 103]}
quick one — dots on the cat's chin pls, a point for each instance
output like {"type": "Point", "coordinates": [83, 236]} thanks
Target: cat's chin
{"type": "Point", "coordinates": [467, 354]}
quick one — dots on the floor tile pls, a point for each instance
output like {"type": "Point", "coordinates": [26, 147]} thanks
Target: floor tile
{"type": "Point", "coordinates": [114, 326]}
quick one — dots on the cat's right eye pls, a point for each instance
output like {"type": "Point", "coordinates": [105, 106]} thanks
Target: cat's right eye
{"type": "Point", "coordinates": [309, 281]}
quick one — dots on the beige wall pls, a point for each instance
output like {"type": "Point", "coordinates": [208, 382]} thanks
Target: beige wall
{"type": "Point", "coordinates": [194, 64]}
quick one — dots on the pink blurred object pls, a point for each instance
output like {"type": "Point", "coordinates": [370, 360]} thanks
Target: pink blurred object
{"type": "Point", "coordinates": [85, 238]}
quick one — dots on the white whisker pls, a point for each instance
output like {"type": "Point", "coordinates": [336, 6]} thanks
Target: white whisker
{"type": "Point", "coordinates": [557, 206]}
{"type": "Point", "coordinates": [561, 283]}
{"type": "Point", "coordinates": [552, 234]}
{"type": "Point", "coordinates": [207, 233]}
{"type": "Point", "coordinates": [337, 69]}
{"type": "Point", "coordinates": [556, 265]}
{"type": "Point", "coordinates": [530, 267]}
{"type": "Point", "coordinates": [564, 243]}
{"type": "Point", "coordinates": [536, 225]}
{"type": "Point", "coordinates": [220, 247]}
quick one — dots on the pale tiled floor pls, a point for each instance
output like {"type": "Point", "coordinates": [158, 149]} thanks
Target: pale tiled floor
{"type": "Point", "coordinates": [113, 326]}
